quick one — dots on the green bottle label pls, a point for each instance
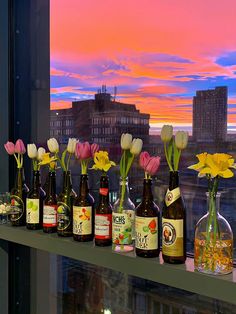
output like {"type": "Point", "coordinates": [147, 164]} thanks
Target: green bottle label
{"type": "Point", "coordinates": [17, 208]}
{"type": "Point", "coordinates": [63, 216]}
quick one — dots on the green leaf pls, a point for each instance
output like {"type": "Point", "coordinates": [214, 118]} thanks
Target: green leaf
{"type": "Point", "coordinates": [170, 150]}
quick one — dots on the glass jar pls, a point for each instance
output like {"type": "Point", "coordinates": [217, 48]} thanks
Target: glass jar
{"type": "Point", "coordinates": [213, 244]}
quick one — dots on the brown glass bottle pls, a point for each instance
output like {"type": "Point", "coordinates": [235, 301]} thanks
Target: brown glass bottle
{"type": "Point", "coordinates": [65, 207]}
{"type": "Point", "coordinates": [147, 221]}
{"type": "Point", "coordinates": [34, 204]}
{"type": "Point", "coordinates": [103, 215]}
{"type": "Point", "coordinates": [50, 205]}
{"type": "Point", "coordinates": [174, 224]}
{"type": "Point", "coordinates": [83, 213]}
{"type": "Point", "coordinates": [18, 199]}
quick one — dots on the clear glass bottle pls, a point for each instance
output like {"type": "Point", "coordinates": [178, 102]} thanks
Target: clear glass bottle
{"type": "Point", "coordinates": [213, 244]}
{"type": "Point", "coordinates": [123, 233]}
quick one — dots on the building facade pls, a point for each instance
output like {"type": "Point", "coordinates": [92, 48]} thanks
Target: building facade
{"type": "Point", "coordinates": [210, 115]}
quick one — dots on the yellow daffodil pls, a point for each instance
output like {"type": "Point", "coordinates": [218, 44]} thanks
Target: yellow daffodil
{"type": "Point", "coordinates": [102, 162]}
{"type": "Point", "coordinates": [201, 163]}
{"type": "Point", "coordinates": [47, 160]}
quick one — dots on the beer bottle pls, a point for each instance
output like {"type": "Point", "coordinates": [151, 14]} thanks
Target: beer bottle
{"type": "Point", "coordinates": [103, 215]}
{"type": "Point", "coordinates": [83, 213]}
{"type": "Point", "coordinates": [50, 205]}
{"type": "Point", "coordinates": [174, 223]}
{"type": "Point", "coordinates": [147, 220]}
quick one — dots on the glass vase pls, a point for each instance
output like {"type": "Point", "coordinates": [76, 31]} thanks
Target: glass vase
{"type": "Point", "coordinates": [213, 244]}
{"type": "Point", "coordinates": [123, 232]}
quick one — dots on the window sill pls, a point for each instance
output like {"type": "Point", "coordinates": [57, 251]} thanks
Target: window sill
{"type": "Point", "coordinates": [178, 276]}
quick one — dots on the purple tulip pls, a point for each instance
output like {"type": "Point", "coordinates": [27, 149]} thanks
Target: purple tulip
{"type": "Point", "coordinates": [10, 148]}
{"type": "Point", "coordinates": [144, 160]}
{"type": "Point", "coordinates": [83, 150]}
{"type": "Point", "coordinates": [153, 165]}
{"type": "Point", "coordinates": [94, 149]}
{"type": "Point", "coordinates": [20, 147]}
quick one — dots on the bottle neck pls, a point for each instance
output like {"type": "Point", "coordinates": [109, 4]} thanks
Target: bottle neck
{"type": "Point", "coordinates": [36, 180]}
{"type": "Point", "coordinates": [83, 188]}
{"type": "Point", "coordinates": [67, 184]}
{"type": "Point", "coordinates": [52, 183]}
{"type": "Point", "coordinates": [104, 189]}
{"type": "Point", "coordinates": [147, 189]}
{"type": "Point", "coordinates": [174, 180]}
{"type": "Point", "coordinates": [213, 202]}
{"type": "Point", "coordinates": [20, 178]}
{"type": "Point", "coordinates": [124, 186]}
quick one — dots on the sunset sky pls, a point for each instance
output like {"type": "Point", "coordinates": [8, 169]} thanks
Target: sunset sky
{"type": "Point", "coordinates": [157, 53]}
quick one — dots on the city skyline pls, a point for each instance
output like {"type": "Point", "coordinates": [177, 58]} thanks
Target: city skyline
{"type": "Point", "coordinates": [156, 65]}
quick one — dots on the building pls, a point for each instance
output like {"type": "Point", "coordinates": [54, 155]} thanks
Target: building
{"type": "Point", "coordinates": [210, 115]}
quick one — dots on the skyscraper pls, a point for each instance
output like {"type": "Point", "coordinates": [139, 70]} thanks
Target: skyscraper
{"type": "Point", "coordinates": [210, 115]}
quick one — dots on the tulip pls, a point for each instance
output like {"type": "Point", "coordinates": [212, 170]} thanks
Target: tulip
{"type": "Point", "coordinates": [83, 150]}
{"type": "Point", "coordinates": [32, 151]}
{"type": "Point", "coordinates": [181, 139]}
{"type": "Point", "coordinates": [10, 148]}
{"type": "Point", "coordinates": [136, 146]}
{"type": "Point", "coordinates": [41, 152]}
{"type": "Point", "coordinates": [166, 133]}
{"type": "Point", "coordinates": [153, 165]}
{"type": "Point", "coordinates": [94, 149]}
{"type": "Point", "coordinates": [143, 160]}
{"type": "Point", "coordinates": [53, 145]}
{"type": "Point", "coordinates": [20, 147]}
{"type": "Point", "coordinates": [71, 145]}
{"type": "Point", "coordinates": [126, 141]}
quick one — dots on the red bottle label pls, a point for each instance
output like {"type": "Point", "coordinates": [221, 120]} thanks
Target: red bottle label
{"type": "Point", "coordinates": [103, 191]}
{"type": "Point", "coordinates": [103, 226]}
{"type": "Point", "coordinates": [50, 215]}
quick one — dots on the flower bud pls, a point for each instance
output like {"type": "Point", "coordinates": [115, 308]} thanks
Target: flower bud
{"type": "Point", "coordinates": [136, 146]}
{"type": "Point", "coordinates": [10, 148]}
{"type": "Point", "coordinates": [53, 145]}
{"type": "Point", "coordinates": [144, 159]}
{"type": "Point", "coordinates": [32, 151]}
{"type": "Point", "coordinates": [181, 139]}
{"type": "Point", "coordinates": [125, 141]}
{"type": "Point", "coordinates": [94, 149]}
{"type": "Point", "coordinates": [153, 165]}
{"type": "Point", "coordinates": [83, 150]}
{"type": "Point", "coordinates": [41, 152]}
{"type": "Point", "coordinates": [166, 133]}
{"type": "Point", "coordinates": [71, 145]}
{"type": "Point", "coordinates": [20, 147]}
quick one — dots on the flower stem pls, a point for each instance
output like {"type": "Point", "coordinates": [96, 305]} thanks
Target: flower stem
{"type": "Point", "coordinates": [167, 158]}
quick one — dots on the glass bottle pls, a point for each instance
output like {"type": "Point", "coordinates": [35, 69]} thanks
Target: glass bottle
{"type": "Point", "coordinates": [147, 220]}
{"type": "Point", "coordinates": [34, 204]}
{"type": "Point", "coordinates": [83, 213]}
{"type": "Point", "coordinates": [65, 207]}
{"type": "Point", "coordinates": [213, 244]}
{"type": "Point", "coordinates": [103, 215]}
{"type": "Point", "coordinates": [18, 199]}
{"type": "Point", "coordinates": [123, 232]}
{"type": "Point", "coordinates": [174, 223]}
{"type": "Point", "coordinates": [50, 205]}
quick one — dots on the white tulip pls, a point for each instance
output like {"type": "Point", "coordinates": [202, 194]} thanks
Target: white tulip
{"type": "Point", "coordinates": [126, 140]}
{"type": "Point", "coordinates": [71, 145]}
{"type": "Point", "coordinates": [136, 146]}
{"type": "Point", "coordinates": [181, 139]}
{"type": "Point", "coordinates": [53, 145]}
{"type": "Point", "coordinates": [166, 133]}
{"type": "Point", "coordinates": [41, 152]}
{"type": "Point", "coordinates": [32, 151]}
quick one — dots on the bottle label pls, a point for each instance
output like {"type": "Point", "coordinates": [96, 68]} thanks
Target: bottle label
{"type": "Point", "coordinates": [122, 227]}
{"type": "Point", "coordinates": [103, 191]}
{"type": "Point", "coordinates": [172, 196]}
{"type": "Point", "coordinates": [32, 211]}
{"type": "Point", "coordinates": [17, 209]}
{"type": "Point", "coordinates": [172, 237]}
{"type": "Point", "coordinates": [146, 235]}
{"type": "Point", "coordinates": [50, 216]}
{"type": "Point", "coordinates": [82, 220]}
{"type": "Point", "coordinates": [103, 226]}
{"type": "Point", "coordinates": [63, 216]}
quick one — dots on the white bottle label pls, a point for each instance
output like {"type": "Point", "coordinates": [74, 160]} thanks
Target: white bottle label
{"type": "Point", "coordinates": [123, 227]}
{"type": "Point", "coordinates": [32, 211]}
{"type": "Point", "coordinates": [82, 220]}
{"type": "Point", "coordinates": [50, 216]}
{"type": "Point", "coordinates": [146, 233]}
{"type": "Point", "coordinates": [103, 226]}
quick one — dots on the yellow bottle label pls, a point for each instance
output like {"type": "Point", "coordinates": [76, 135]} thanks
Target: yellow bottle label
{"type": "Point", "coordinates": [146, 235]}
{"type": "Point", "coordinates": [82, 220]}
{"type": "Point", "coordinates": [172, 196]}
{"type": "Point", "coordinates": [32, 211]}
{"type": "Point", "coordinates": [172, 237]}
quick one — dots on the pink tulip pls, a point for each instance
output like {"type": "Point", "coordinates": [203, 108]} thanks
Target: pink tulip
{"type": "Point", "coordinates": [153, 165]}
{"type": "Point", "coordinates": [20, 147]}
{"type": "Point", "coordinates": [83, 150]}
{"type": "Point", "coordinates": [10, 148]}
{"type": "Point", "coordinates": [94, 149]}
{"type": "Point", "coordinates": [143, 160]}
